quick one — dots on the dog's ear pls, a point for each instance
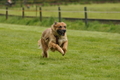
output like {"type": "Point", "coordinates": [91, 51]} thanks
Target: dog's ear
{"type": "Point", "coordinates": [55, 23]}
{"type": "Point", "coordinates": [53, 26]}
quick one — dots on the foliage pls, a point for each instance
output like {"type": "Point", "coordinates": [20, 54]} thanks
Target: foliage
{"type": "Point", "coordinates": [50, 1]}
{"type": "Point", "coordinates": [75, 25]}
{"type": "Point", "coordinates": [54, 1]}
{"type": "Point", "coordinates": [90, 56]}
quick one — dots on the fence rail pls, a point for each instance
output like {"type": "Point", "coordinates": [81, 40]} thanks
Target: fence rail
{"type": "Point", "coordinates": [66, 11]}
{"type": "Point", "coordinates": [85, 19]}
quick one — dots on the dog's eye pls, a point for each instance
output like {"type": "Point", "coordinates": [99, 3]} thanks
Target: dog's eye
{"type": "Point", "coordinates": [64, 26]}
{"type": "Point", "coordinates": [60, 26]}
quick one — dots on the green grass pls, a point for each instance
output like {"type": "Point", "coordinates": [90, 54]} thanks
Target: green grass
{"type": "Point", "coordinates": [49, 11]}
{"type": "Point", "coordinates": [90, 56]}
{"type": "Point", "coordinates": [75, 25]}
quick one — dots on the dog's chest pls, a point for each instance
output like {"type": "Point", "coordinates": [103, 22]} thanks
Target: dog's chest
{"type": "Point", "coordinates": [60, 41]}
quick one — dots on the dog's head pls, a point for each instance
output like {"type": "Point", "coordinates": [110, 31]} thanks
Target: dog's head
{"type": "Point", "coordinates": [59, 28]}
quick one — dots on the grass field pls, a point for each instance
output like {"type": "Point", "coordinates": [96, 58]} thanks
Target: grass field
{"type": "Point", "coordinates": [101, 8]}
{"type": "Point", "coordinates": [90, 56]}
{"type": "Point", "coordinates": [70, 11]}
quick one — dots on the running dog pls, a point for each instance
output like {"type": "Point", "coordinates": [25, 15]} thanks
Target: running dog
{"type": "Point", "coordinates": [54, 38]}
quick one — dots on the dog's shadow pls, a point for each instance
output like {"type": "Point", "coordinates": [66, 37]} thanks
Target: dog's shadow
{"type": "Point", "coordinates": [54, 58]}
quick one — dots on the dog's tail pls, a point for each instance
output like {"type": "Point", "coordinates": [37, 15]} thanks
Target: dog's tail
{"type": "Point", "coordinates": [39, 44]}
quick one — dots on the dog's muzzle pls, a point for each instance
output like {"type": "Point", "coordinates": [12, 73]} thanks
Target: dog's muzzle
{"type": "Point", "coordinates": [61, 32]}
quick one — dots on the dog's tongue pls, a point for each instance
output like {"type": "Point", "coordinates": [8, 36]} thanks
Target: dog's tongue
{"type": "Point", "coordinates": [63, 33]}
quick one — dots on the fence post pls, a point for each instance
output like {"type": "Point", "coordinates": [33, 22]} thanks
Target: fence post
{"type": "Point", "coordinates": [59, 14]}
{"type": "Point", "coordinates": [86, 19]}
{"type": "Point", "coordinates": [23, 14]}
{"type": "Point", "coordinates": [36, 10]}
{"type": "Point", "coordinates": [6, 13]}
{"type": "Point", "coordinates": [21, 4]}
{"type": "Point", "coordinates": [40, 9]}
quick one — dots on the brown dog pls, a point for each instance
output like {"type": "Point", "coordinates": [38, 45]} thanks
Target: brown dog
{"type": "Point", "coordinates": [54, 38]}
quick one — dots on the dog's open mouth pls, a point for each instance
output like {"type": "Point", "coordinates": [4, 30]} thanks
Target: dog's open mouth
{"type": "Point", "coordinates": [61, 32]}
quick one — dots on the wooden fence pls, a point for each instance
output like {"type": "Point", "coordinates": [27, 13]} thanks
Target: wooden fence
{"type": "Point", "coordinates": [85, 19]}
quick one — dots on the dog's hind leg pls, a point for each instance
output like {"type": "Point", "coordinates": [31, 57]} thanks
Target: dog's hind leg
{"type": "Point", "coordinates": [44, 49]}
{"type": "Point", "coordinates": [45, 54]}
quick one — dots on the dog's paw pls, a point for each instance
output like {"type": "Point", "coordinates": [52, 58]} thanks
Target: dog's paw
{"type": "Point", "coordinates": [65, 50]}
{"type": "Point", "coordinates": [63, 54]}
{"type": "Point", "coordinates": [60, 50]}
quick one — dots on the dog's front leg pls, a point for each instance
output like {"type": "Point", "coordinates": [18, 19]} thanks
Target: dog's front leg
{"type": "Point", "coordinates": [65, 44]}
{"type": "Point", "coordinates": [55, 46]}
